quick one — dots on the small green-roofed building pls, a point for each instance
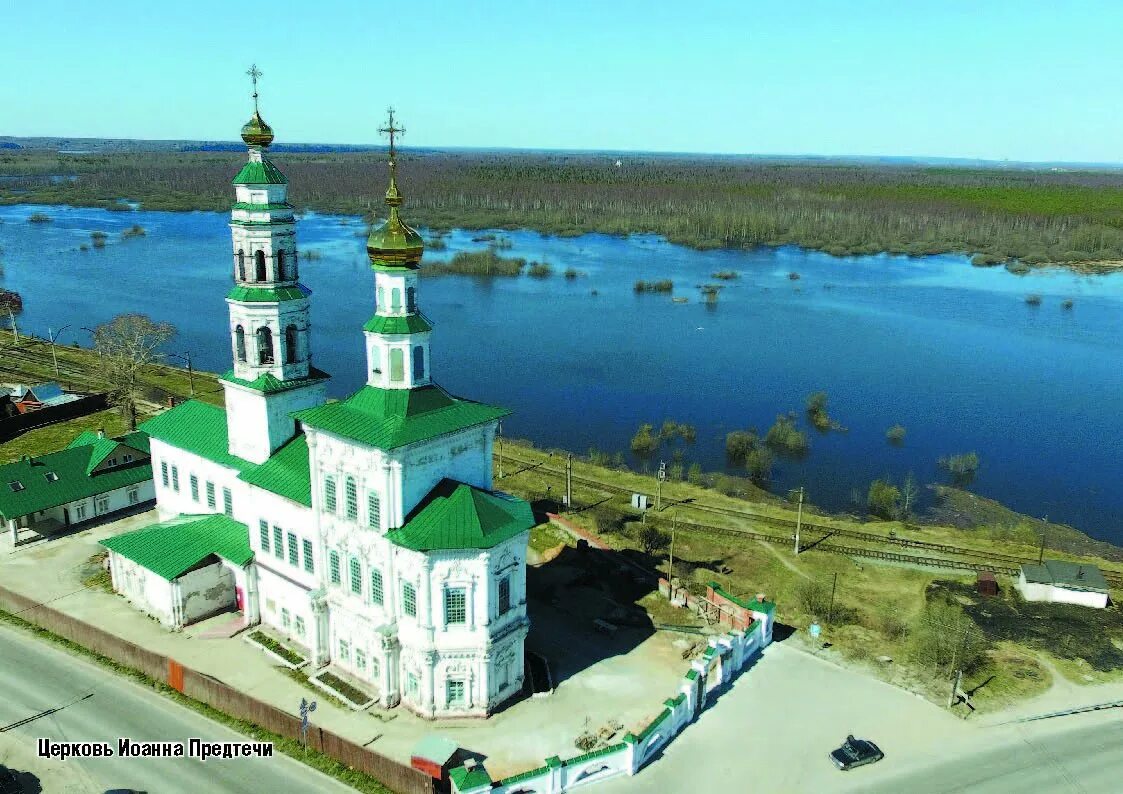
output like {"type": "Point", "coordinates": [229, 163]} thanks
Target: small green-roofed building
{"type": "Point", "coordinates": [183, 569]}
{"type": "Point", "coordinates": [94, 478]}
{"type": "Point", "coordinates": [1063, 581]}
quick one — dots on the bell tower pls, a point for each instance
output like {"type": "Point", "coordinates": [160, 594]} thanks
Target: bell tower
{"type": "Point", "coordinates": [270, 333]}
{"type": "Point", "coordinates": [397, 336]}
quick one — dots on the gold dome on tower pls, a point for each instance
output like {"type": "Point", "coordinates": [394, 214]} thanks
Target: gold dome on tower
{"type": "Point", "coordinates": [256, 132]}
{"type": "Point", "coordinates": [394, 243]}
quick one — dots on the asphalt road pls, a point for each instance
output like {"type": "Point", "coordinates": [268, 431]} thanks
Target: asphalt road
{"type": "Point", "coordinates": [36, 676]}
{"type": "Point", "coordinates": [1080, 754]}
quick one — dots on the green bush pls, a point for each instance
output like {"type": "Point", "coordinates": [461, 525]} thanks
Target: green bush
{"type": "Point", "coordinates": [884, 500]}
{"type": "Point", "coordinates": [896, 435]}
{"type": "Point", "coordinates": [785, 438]}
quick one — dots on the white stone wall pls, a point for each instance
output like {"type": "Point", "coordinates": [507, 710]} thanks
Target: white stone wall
{"type": "Point", "coordinates": [277, 317]}
{"type": "Point", "coordinates": [260, 424]}
{"type": "Point", "coordinates": [379, 347]}
{"type": "Point", "coordinates": [1036, 591]}
{"type": "Point", "coordinates": [204, 591]}
{"type": "Point", "coordinates": [279, 594]}
{"type": "Point", "coordinates": [100, 505]}
{"type": "Point", "coordinates": [171, 502]}
{"type": "Point", "coordinates": [145, 589]}
{"type": "Point", "coordinates": [464, 456]}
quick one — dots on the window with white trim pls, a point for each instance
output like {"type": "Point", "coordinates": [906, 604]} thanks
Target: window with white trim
{"type": "Point", "coordinates": [294, 552]}
{"type": "Point", "coordinates": [210, 495]}
{"type": "Point", "coordinates": [263, 531]}
{"type": "Point", "coordinates": [504, 595]}
{"type": "Point", "coordinates": [194, 488]}
{"type": "Point", "coordinates": [374, 510]}
{"type": "Point", "coordinates": [456, 605]}
{"type": "Point", "coordinates": [309, 566]}
{"type": "Point", "coordinates": [175, 478]}
{"type": "Point", "coordinates": [333, 566]}
{"type": "Point", "coordinates": [278, 544]}
{"type": "Point", "coordinates": [409, 600]}
{"type": "Point", "coordinates": [351, 494]}
{"type": "Point", "coordinates": [376, 593]}
{"type": "Point", "coordinates": [455, 689]}
{"type": "Point", "coordinates": [329, 494]}
{"type": "Point", "coordinates": [164, 472]}
{"type": "Point", "coordinates": [356, 576]}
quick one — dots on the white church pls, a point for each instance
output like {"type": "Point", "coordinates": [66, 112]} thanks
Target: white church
{"type": "Point", "coordinates": [364, 531]}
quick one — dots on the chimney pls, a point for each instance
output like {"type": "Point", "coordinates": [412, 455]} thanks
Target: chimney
{"type": "Point", "coordinates": [469, 764]}
{"type": "Point", "coordinates": [101, 432]}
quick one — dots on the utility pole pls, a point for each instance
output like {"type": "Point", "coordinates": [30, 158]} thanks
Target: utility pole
{"type": "Point", "coordinates": [798, 520]}
{"type": "Point", "coordinates": [186, 356]}
{"type": "Point", "coordinates": [671, 560]}
{"type": "Point", "coordinates": [569, 481]}
{"type": "Point", "coordinates": [15, 328]}
{"type": "Point", "coordinates": [659, 485]}
{"type": "Point", "coordinates": [955, 688]}
{"type": "Point", "coordinates": [1044, 529]}
{"type": "Point", "coordinates": [830, 612]}
{"type": "Point", "coordinates": [53, 336]}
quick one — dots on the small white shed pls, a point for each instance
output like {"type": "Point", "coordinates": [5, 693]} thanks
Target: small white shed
{"type": "Point", "coordinates": [1063, 582]}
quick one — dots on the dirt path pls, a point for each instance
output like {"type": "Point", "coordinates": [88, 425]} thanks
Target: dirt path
{"type": "Point", "coordinates": [791, 566]}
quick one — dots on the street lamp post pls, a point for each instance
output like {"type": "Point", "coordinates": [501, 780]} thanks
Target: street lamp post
{"type": "Point", "coordinates": [93, 341]}
{"type": "Point", "coordinates": [53, 335]}
{"type": "Point", "coordinates": [186, 356]}
{"type": "Point", "coordinates": [305, 708]}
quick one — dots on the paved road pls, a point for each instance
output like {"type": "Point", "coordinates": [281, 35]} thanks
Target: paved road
{"type": "Point", "coordinates": [36, 676]}
{"type": "Point", "coordinates": [1081, 754]}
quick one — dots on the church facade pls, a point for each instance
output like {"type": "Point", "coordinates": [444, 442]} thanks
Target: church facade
{"type": "Point", "coordinates": [365, 530]}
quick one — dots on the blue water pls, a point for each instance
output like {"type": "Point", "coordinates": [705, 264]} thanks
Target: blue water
{"type": "Point", "coordinates": [951, 352]}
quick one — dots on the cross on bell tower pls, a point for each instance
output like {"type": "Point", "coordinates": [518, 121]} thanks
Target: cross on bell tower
{"type": "Point", "coordinates": [254, 73]}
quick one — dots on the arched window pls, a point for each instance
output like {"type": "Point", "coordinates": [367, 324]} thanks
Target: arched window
{"type": "Point", "coordinates": [419, 363]}
{"type": "Point", "coordinates": [356, 576]}
{"type": "Point", "coordinates": [259, 266]}
{"type": "Point", "coordinates": [333, 566]}
{"type": "Point", "coordinates": [375, 360]}
{"type": "Point", "coordinates": [264, 345]}
{"type": "Point", "coordinates": [352, 495]}
{"type": "Point", "coordinates": [281, 265]}
{"type": "Point", "coordinates": [240, 342]}
{"type": "Point", "coordinates": [329, 494]}
{"type": "Point", "coordinates": [241, 265]}
{"type": "Point", "coordinates": [290, 344]}
{"type": "Point", "coordinates": [397, 366]}
{"type": "Point", "coordinates": [411, 299]}
{"type": "Point", "coordinates": [380, 299]}
{"type": "Point", "coordinates": [395, 300]}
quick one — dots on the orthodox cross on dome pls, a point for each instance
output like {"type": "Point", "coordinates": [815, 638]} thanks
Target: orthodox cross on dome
{"type": "Point", "coordinates": [393, 196]}
{"type": "Point", "coordinates": [254, 73]}
{"type": "Point", "coordinates": [391, 130]}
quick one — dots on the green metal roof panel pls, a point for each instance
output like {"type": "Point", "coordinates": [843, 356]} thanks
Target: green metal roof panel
{"type": "Point", "coordinates": [465, 778]}
{"type": "Point", "coordinates": [455, 515]}
{"type": "Point", "coordinates": [170, 548]}
{"type": "Point", "coordinates": [410, 324]}
{"type": "Point", "coordinates": [286, 473]}
{"type": "Point", "coordinates": [263, 173]}
{"type": "Point", "coordinates": [268, 294]}
{"type": "Point", "coordinates": [268, 383]}
{"type": "Point", "coordinates": [198, 428]}
{"type": "Point", "coordinates": [1063, 573]}
{"type": "Point", "coordinates": [251, 207]}
{"type": "Point", "coordinates": [70, 479]}
{"type": "Point", "coordinates": [392, 418]}
{"type": "Point", "coordinates": [767, 607]}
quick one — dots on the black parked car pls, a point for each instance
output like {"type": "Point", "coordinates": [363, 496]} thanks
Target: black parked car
{"type": "Point", "coordinates": [856, 752]}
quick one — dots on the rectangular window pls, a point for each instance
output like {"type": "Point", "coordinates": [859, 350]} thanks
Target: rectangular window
{"type": "Point", "coordinates": [455, 605]}
{"type": "Point", "coordinates": [263, 529]}
{"type": "Point", "coordinates": [128, 458]}
{"type": "Point", "coordinates": [285, 619]}
{"type": "Point", "coordinates": [411, 684]}
{"type": "Point", "coordinates": [210, 495]}
{"type": "Point", "coordinates": [278, 545]}
{"type": "Point", "coordinates": [360, 659]}
{"type": "Point", "coordinates": [111, 462]}
{"type": "Point", "coordinates": [194, 488]}
{"type": "Point", "coordinates": [504, 595]}
{"type": "Point", "coordinates": [356, 576]}
{"type": "Point", "coordinates": [299, 626]}
{"type": "Point", "coordinates": [352, 496]}
{"type": "Point", "coordinates": [175, 478]}
{"type": "Point", "coordinates": [227, 502]}
{"type": "Point", "coordinates": [375, 667]}
{"type": "Point", "coordinates": [164, 472]}
{"type": "Point", "coordinates": [329, 495]}
{"type": "Point", "coordinates": [102, 505]}
{"type": "Point", "coordinates": [308, 565]}
{"type": "Point", "coordinates": [80, 511]}
{"type": "Point", "coordinates": [374, 511]}
{"type": "Point", "coordinates": [409, 600]}
{"type": "Point", "coordinates": [333, 566]}
{"type": "Point", "coordinates": [344, 651]}
{"type": "Point", "coordinates": [294, 552]}
{"type": "Point", "coordinates": [134, 496]}
{"type": "Point", "coordinates": [456, 693]}
{"type": "Point", "coordinates": [376, 586]}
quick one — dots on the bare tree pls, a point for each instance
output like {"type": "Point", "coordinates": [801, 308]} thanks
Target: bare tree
{"type": "Point", "coordinates": [909, 493]}
{"type": "Point", "coordinates": [128, 344]}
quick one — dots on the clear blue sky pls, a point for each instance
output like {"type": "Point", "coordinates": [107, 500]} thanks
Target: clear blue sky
{"type": "Point", "coordinates": [1017, 79]}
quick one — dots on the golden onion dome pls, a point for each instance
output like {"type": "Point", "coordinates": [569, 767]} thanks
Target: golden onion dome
{"type": "Point", "coordinates": [256, 132]}
{"type": "Point", "coordinates": [394, 243]}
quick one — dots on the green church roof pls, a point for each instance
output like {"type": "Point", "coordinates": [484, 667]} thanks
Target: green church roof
{"type": "Point", "coordinates": [263, 173]}
{"type": "Point", "coordinates": [455, 515]}
{"type": "Point", "coordinates": [268, 294]}
{"type": "Point", "coordinates": [199, 428]}
{"type": "Point", "coordinates": [286, 473]}
{"type": "Point", "coordinates": [392, 418]}
{"type": "Point", "coordinates": [269, 383]}
{"type": "Point", "coordinates": [68, 475]}
{"type": "Point", "coordinates": [171, 548]}
{"type": "Point", "coordinates": [410, 324]}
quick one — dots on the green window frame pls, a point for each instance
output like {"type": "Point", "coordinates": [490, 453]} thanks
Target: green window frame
{"type": "Point", "coordinates": [227, 502]}
{"type": "Point", "coordinates": [376, 592]}
{"type": "Point", "coordinates": [455, 690]}
{"type": "Point", "coordinates": [397, 365]}
{"type": "Point", "coordinates": [175, 478]}
{"type": "Point", "coordinates": [309, 565]}
{"type": "Point", "coordinates": [333, 566]}
{"type": "Point", "coordinates": [351, 493]}
{"type": "Point", "coordinates": [456, 606]}
{"type": "Point", "coordinates": [263, 530]}
{"type": "Point", "coordinates": [356, 576]}
{"type": "Point", "coordinates": [164, 472]}
{"type": "Point", "coordinates": [409, 600]}
{"type": "Point", "coordinates": [504, 595]}
{"type": "Point", "coordinates": [329, 494]}
{"type": "Point", "coordinates": [210, 495]}
{"type": "Point", "coordinates": [374, 510]}
{"type": "Point", "coordinates": [194, 488]}
{"type": "Point", "coordinates": [278, 543]}
{"type": "Point", "coordinates": [294, 552]}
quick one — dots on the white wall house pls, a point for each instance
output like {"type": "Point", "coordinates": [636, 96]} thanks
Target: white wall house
{"type": "Point", "coordinates": [378, 545]}
{"type": "Point", "coordinates": [1063, 582]}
